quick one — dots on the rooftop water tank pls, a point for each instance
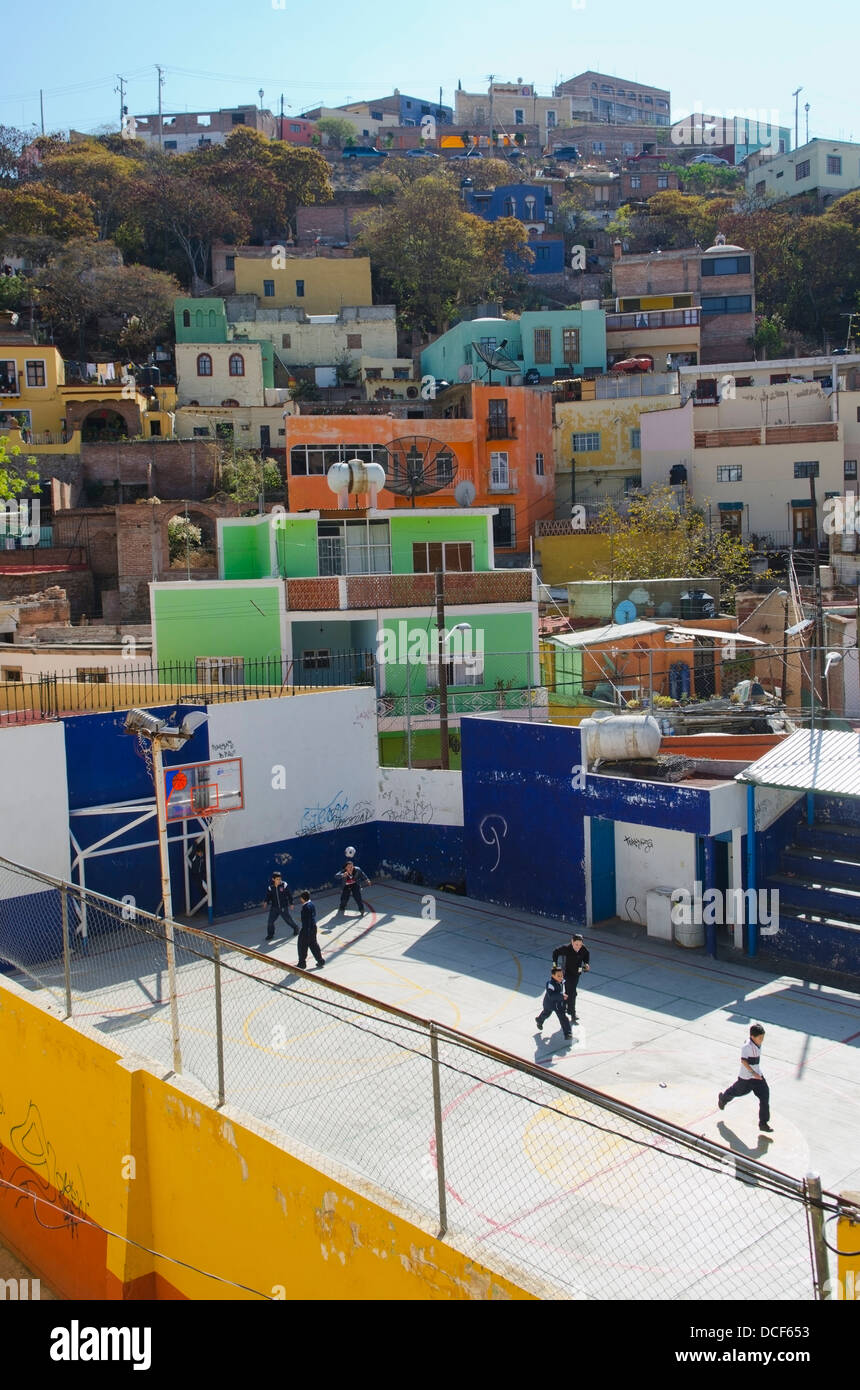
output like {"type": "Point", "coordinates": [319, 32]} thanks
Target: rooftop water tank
{"type": "Point", "coordinates": [620, 737]}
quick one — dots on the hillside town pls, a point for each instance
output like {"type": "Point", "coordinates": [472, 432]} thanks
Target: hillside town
{"type": "Point", "coordinates": [451, 506]}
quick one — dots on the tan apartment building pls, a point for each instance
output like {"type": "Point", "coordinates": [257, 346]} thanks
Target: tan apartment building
{"type": "Point", "coordinates": [617, 100]}
{"type": "Point", "coordinates": [181, 131]}
{"type": "Point", "coordinates": [721, 280]}
{"type": "Point", "coordinates": [827, 168]}
{"type": "Point", "coordinates": [317, 284]}
{"type": "Point", "coordinates": [509, 106]}
{"type": "Point", "coordinates": [663, 327]}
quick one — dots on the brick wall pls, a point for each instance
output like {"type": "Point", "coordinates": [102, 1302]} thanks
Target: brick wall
{"type": "Point", "coordinates": [173, 468]}
{"type": "Point", "coordinates": [78, 585]}
{"type": "Point", "coordinates": [333, 220]}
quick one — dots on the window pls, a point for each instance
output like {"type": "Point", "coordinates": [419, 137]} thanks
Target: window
{"type": "Point", "coordinates": [36, 373]}
{"type": "Point", "coordinates": [727, 304]}
{"type": "Point", "coordinates": [543, 345]}
{"type": "Point", "coordinates": [200, 431]}
{"type": "Point", "coordinates": [801, 170]}
{"type": "Point", "coordinates": [401, 373]}
{"type": "Point", "coordinates": [237, 117]}
{"type": "Point", "coordinates": [539, 468]}
{"type": "Point", "coordinates": [726, 265]}
{"type": "Point", "coordinates": [531, 207]}
{"type": "Point", "coordinates": [504, 528]}
{"type": "Point", "coordinates": [519, 116]}
{"type": "Point", "coordinates": [635, 439]}
{"type": "Point", "coordinates": [464, 670]}
{"type": "Point", "coordinates": [11, 673]}
{"type": "Point", "coordinates": [647, 101]}
{"type": "Point", "coordinates": [92, 675]}
{"type": "Point", "coordinates": [8, 379]}
{"type": "Point", "coordinates": [230, 404]}
{"type": "Point", "coordinates": [806, 470]}
{"type": "Point", "coordinates": [851, 469]}
{"type": "Point", "coordinates": [510, 208]}
{"type": "Point", "coordinates": [295, 130]}
{"type": "Point", "coordinates": [635, 181]}
{"type": "Point", "coordinates": [237, 364]}
{"type": "Point", "coordinates": [154, 428]}
{"type": "Point", "coordinates": [353, 340]}
{"type": "Point", "coordinates": [834, 164]}
{"type": "Point", "coordinates": [551, 117]}
{"type": "Point", "coordinates": [761, 188]}
{"type": "Point", "coordinates": [743, 381]}
{"type": "Point", "coordinates": [204, 364]}
{"type": "Point", "coordinates": [268, 289]}
{"type": "Point", "coordinates": [221, 670]}
{"type": "Point", "coordinates": [317, 660]}
{"type": "Point", "coordinates": [186, 318]}
{"type": "Point", "coordinates": [300, 289]}
{"type": "Point", "coordinates": [498, 419]}
{"type": "Point", "coordinates": [353, 547]}
{"type": "Point", "coordinates": [588, 443]}
{"type": "Point", "coordinates": [570, 344]}
{"type": "Point", "coordinates": [230, 262]}
{"type": "Point", "coordinates": [627, 148]}
{"type": "Point", "coordinates": [171, 144]}
{"type": "Point", "coordinates": [445, 469]}
{"type": "Point", "coordinates": [373, 374]}
{"type": "Point", "coordinates": [662, 180]}
{"type": "Point", "coordinates": [730, 473]}
{"type": "Point", "coordinates": [376, 116]}
{"type": "Point", "coordinates": [499, 471]}
{"type": "Point", "coordinates": [598, 147]}
{"type": "Point", "coordinates": [430, 556]}
{"type": "Point", "coordinates": [286, 340]}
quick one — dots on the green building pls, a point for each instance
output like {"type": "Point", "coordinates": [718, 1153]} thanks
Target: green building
{"type": "Point", "coordinates": [551, 341]}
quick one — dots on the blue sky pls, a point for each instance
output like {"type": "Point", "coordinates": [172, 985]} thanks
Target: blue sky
{"type": "Point", "coordinates": [217, 53]}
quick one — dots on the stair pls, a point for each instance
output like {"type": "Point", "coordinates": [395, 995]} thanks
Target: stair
{"type": "Point", "coordinates": [819, 875]}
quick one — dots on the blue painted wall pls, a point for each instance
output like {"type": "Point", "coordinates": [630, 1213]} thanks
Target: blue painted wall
{"type": "Point", "coordinates": [509, 200]}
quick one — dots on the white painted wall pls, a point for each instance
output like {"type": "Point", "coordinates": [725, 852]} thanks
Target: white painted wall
{"type": "Point", "coordinates": [417, 795]}
{"type": "Point", "coordinates": [327, 743]}
{"type": "Point", "coordinates": [34, 802]}
{"type": "Point", "coordinates": [771, 803]}
{"type": "Point", "coordinates": [647, 858]}
{"type": "Point", "coordinates": [68, 663]}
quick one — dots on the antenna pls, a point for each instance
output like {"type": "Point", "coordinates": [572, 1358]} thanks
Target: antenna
{"type": "Point", "coordinates": [464, 493]}
{"type": "Point", "coordinates": [419, 465]}
{"type": "Point", "coordinates": [496, 360]}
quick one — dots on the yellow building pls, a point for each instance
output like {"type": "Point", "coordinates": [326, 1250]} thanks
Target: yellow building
{"type": "Point", "coordinates": [30, 381]}
{"type": "Point", "coordinates": [664, 327]}
{"type": "Point", "coordinates": [597, 445]}
{"type": "Point", "coordinates": [317, 284]}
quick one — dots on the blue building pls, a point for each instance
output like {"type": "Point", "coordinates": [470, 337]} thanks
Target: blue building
{"type": "Point", "coordinates": [531, 204]}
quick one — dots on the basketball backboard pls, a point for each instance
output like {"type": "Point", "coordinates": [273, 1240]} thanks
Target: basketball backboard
{"type": "Point", "coordinates": [203, 789]}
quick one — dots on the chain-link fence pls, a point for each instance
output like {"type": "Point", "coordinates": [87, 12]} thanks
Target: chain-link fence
{"type": "Point", "coordinates": [593, 1197]}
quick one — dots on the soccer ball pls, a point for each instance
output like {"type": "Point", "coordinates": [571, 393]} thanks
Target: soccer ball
{"type": "Point", "coordinates": [350, 852]}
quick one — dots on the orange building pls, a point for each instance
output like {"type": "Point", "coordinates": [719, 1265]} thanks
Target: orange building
{"type": "Point", "coordinates": [496, 438]}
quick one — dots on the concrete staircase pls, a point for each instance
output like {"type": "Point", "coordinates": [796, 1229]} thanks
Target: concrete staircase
{"type": "Point", "coordinates": [819, 876]}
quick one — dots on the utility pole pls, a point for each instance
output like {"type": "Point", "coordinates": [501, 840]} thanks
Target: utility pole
{"type": "Point", "coordinates": [121, 90]}
{"type": "Point", "coordinates": [818, 630]}
{"type": "Point", "coordinates": [796, 95]}
{"type": "Point", "coordinates": [160, 72]}
{"type": "Point", "coordinates": [806, 110]}
{"type": "Point", "coordinates": [281, 127]}
{"type": "Point", "coordinates": [491, 77]}
{"type": "Point", "coordinates": [42, 108]}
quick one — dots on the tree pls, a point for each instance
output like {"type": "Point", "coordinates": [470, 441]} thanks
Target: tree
{"type": "Point", "coordinates": [182, 538]}
{"type": "Point", "coordinates": [487, 173]}
{"type": "Point", "coordinates": [88, 279]}
{"type": "Point", "coordinates": [14, 292]}
{"type": "Point", "coordinates": [107, 179]}
{"type": "Point", "coordinates": [13, 143]}
{"type": "Point", "coordinates": [338, 131]}
{"type": "Point", "coordinates": [36, 219]}
{"type": "Point", "coordinates": [703, 179]}
{"type": "Point", "coordinates": [429, 255]}
{"type": "Point", "coordinates": [192, 214]}
{"type": "Point", "coordinates": [245, 475]}
{"type": "Point", "coordinates": [655, 539]}
{"type": "Point", "coordinates": [685, 219]}
{"type": "Point", "coordinates": [14, 478]}
{"type": "Point", "coordinates": [769, 336]}
{"type": "Point", "coordinates": [264, 179]}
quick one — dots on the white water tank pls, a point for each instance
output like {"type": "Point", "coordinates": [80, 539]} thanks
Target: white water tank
{"type": "Point", "coordinates": [620, 737]}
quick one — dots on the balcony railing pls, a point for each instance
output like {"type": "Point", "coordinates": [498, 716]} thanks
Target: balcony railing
{"type": "Point", "coordinates": [653, 318]}
{"type": "Point", "coordinates": [502, 429]}
{"type": "Point", "coordinates": [9, 388]}
{"type": "Point", "coordinates": [419, 590]}
{"type": "Point", "coordinates": [502, 482]}
{"type": "Point", "coordinates": [825, 433]}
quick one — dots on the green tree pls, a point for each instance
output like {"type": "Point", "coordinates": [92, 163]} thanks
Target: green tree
{"type": "Point", "coordinates": [339, 132]}
{"type": "Point", "coordinates": [36, 219]}
{"type": "Point", "coordinates": [702, 179]}
{"type": "Point", "coordinates": [246, 475]}
{"type": "Point", "coordinates": [107, 179]}
{"type": "Point", "coordinates": [264, 179]}
{"type": "Point", "coordinates": [16, 471]}
{"type": "Point", "coordinates": [14, 292]}
{"type": "Point", "coordinates": [182, 538]}
{"type": "Point", "coordinates": [769, 336]}
{"type": "Point", "coordinates": [655, 538]}
{"type": "Point", "coordinates": [88, 279]}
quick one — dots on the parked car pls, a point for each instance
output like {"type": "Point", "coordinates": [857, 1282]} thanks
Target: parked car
{"type": "Point", "coordinates": [633, 364]}
{"type": "Point", "coordinates": [421, 154]}
{"type": "Point", "coordinates": [711, 159]}
{"type": "Point", "coordinates": [364, 152]}
{"type": "Point", "coordinates": [568, 152]}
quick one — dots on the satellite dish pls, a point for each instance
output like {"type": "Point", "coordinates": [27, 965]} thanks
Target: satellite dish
{"type": "Point", "coordinates": [419, 465]}
{"type": "Point", "coordinates": [496, 360]}
{"type": "Point", "coordinates": [464, 493]}
{"type": "Point", "coordinates": [625, 612]}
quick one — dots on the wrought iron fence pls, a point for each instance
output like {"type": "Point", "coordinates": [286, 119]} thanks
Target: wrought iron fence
{"type": "Point", "coordinates": [568, 1185]}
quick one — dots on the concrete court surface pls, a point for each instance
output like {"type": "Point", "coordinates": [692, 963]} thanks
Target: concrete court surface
{"type": "Point", "coordinates": [542, 1181]}
{"type": "Point", "coordinates": [661, 1027]}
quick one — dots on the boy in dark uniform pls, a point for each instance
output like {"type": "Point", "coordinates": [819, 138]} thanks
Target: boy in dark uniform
{"type": "Point", "coordinates": [573, 959]}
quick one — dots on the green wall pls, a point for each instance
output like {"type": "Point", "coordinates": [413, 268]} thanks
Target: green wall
{"type": "Point", "coordinates": [419, 525]}
{"type": "Point", "coordinates": [245, 549]}
{"type": "Point", "coordinates": [225, 620]}
{"type": "Point", "coordinates": [507, 644]}
{"type": "Point", "coordinates": [208, 320]}
{"type": "Point", "coordinates": [296, 547]}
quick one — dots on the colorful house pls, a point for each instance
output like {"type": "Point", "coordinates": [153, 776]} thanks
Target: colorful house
{"type": "Point", "coordinates": [497, 439]}
{"type": "Point", "coordinates": [344, 597]}
{"type": "Point", "coordinates": [317, 284]}
{"type": "Point", "coordinates": [566, 342]}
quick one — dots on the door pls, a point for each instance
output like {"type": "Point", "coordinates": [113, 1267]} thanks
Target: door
{"type": "Point", "coordinates": [602, 869]}
{"type": "Point", "coordinates": [265, 438]}
{"type": "Point", "coordinates": [801, 518]}
{"type": "Point", "coordinates": [498, 410]}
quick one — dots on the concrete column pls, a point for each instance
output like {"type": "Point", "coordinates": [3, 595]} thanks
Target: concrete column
{"type": "Point", "coordinates": [709, 870]}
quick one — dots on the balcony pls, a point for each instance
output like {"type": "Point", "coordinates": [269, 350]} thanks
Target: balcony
{"type": "Point", "coordinates": [502, 429]}
{"type": "Point", "coordinates": [361, 591]}
{"type": "Point", "coordinates": [825, 433]}
{"type": "Point", "coordinates": [653, 318]}
{"type": "Point", "coordinates": [502, 482]}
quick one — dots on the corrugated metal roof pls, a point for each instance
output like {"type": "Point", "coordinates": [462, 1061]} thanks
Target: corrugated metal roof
{"type": "Point", "coordinates": [826, 760]}
{"type": "Point", "coordinates": [612, 632]}
{"type": "Point", "coordinates": [718, 633]}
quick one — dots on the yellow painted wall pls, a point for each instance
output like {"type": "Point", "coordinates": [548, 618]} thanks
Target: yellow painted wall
{"type": "Point", "coordinates": [566, 558]}
{"type": "Point", "coordinates": [44, 402]}
{"type": "Point", "coordinates": [612, 420]}
{"type": "Point", "coordinates": [210, 1189]}
{"type": "Point", "coordinates": [848, 1244]}
{"type": "Point", "coordinates": [329, 283]}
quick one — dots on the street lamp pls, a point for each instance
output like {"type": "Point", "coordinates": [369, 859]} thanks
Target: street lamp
{"type": "Point", "coordinates": [831, 659]}
{"type": "Point", "coordinates": [162, 735]}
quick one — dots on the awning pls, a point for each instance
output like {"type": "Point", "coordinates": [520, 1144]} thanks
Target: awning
{"type": "Point", "coordinates": [719, 634]}
{"type": "Point", "coordinates": [823, 760]}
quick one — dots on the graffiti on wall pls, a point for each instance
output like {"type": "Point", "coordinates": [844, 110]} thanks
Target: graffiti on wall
{"type": "Point", "coordinates": [490, 829]}
{"type": "Point", "coordinates": [335, 814]}
{"type": "Point", "coordinates": [39, 1176]}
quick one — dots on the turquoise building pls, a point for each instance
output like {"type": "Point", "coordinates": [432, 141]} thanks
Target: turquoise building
{"type": "Point", "coordinates": [553, 342]}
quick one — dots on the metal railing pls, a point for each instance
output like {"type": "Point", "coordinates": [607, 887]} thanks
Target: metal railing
{"type": "Point", "coordinates": [561, 1182]}
{"type": "Point", "coordinates": [652, 318]}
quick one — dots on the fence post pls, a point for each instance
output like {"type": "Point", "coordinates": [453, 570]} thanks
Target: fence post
{"type": "Point", "coordinates": [67, 972]}
{"type": "Point", "coordinates": [817, 1242]}
{"type": "Point", "coordinates": [219, 1031]}
{"type": "Point", "coordinates": [437, 1124]}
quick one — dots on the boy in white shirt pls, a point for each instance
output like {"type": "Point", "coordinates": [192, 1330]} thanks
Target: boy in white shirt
{"type": "Point", "coordinates": [751, 1079]}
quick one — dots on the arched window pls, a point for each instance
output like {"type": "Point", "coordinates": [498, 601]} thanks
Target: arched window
{"type": "Point", "coordinates": [186, 318]}
{"type": "Point", "coordinates": [510, 208]}
{"type": "Point", "coordinates": [531, 204]}
{"type": "Point", "coordinates": [198, 318]}
{"type": "Point", "coordinates": [237, 364]}
{"type": "Point", "coordinates": [211, 318]}
{"type": "Point", "coordinates": [204, 364]}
